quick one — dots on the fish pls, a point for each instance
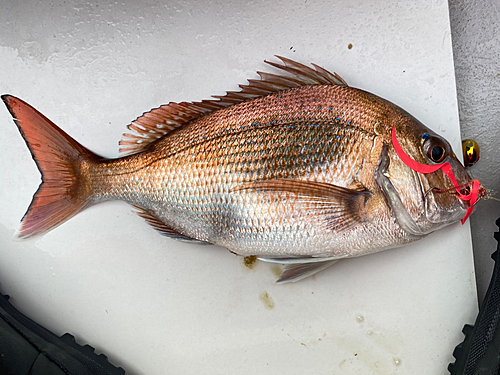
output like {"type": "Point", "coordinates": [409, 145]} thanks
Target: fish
{"type": "Point", "coordinates": [296, 168]}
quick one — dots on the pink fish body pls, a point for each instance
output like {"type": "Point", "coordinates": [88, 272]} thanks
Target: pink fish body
{"type": "Point", "coordinates": [297, 168]}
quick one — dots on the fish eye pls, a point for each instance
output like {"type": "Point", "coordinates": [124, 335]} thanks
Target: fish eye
{"type": "Point", "coordinates": [437, 153]}
{"type": "Point", "coordinates": [435, 149]}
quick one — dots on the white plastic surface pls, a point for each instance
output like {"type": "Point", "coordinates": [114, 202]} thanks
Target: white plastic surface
{"type": "Point", "coordinates": [157, 306]}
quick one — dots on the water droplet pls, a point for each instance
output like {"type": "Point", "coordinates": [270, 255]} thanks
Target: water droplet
{"type": "Point", "coordinates": [360, 318]}
{"type": "Point", "coordinates": [397, 361]}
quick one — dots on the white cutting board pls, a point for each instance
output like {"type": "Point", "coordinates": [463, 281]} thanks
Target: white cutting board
{"type": "Point", "coordinates": [157, 306]}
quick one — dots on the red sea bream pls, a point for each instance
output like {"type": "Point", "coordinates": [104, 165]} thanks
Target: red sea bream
{"type": "Point", "coordinates": [297, 168]}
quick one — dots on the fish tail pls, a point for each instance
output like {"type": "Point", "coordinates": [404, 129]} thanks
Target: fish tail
{"type": "Point", "coordinates": [63, 192]}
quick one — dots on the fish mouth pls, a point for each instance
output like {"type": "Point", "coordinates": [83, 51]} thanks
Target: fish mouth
{"type": "Point", "coordinates": [468, 189]}
{"type": "Point", "coordinates": [462, 190]}
{"type": "Point", "coordinates": [430, 199]}
{"type": "Point", "coordinates": [437, 213]}
{"type": "Point", "coordinates": [466, 195]}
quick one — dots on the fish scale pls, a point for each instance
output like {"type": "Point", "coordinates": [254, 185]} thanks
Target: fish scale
{"type": "Point", "coordinates": [297, 168]}
{"type": "Point", "coordinates": [197, 190]}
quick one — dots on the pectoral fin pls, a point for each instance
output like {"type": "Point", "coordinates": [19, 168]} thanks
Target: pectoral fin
{"type": "Point", "coordinates": [299, 271]}
{"type": "Point", "coordinates": [339, 207]}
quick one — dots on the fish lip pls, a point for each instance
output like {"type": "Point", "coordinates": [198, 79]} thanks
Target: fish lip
{"type": "Point", "coordinates": [465, 191]}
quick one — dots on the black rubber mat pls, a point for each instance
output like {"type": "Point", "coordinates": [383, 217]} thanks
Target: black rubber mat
{"type": "Point", "coordinates": [28, 348]}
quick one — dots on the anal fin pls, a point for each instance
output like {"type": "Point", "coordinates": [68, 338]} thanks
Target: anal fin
{"type": "Point", "coordinates": [299, 271]}
{"type": "Point", "coordinates": [164, 229]}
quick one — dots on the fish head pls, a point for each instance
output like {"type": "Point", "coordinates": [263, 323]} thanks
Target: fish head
{"type": "Point", "coordinates": [442, 204]}
{"type": "Point", "coordinates": [431, 187]}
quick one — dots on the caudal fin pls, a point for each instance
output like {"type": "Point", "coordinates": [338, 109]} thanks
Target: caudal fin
{"type": "Point", "coordinates": [61, 195]}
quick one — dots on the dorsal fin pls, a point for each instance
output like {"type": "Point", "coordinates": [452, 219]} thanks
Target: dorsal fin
{"type": "Point", "coordinates": [160, 121]}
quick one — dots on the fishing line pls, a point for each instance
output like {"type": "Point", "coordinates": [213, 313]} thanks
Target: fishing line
{"type": "Point", "coordinates": [490, 195]}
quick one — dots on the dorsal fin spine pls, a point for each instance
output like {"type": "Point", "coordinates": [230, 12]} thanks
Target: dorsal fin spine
{"type": "Point", "coordinates": [161, 121]}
